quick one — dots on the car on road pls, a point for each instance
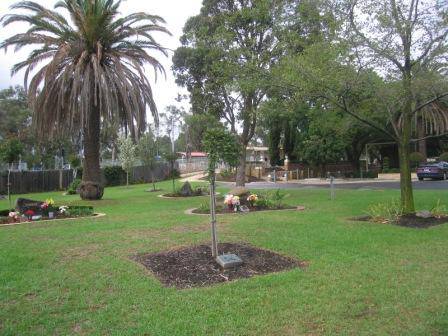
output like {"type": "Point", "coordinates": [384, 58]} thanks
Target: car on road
{"type": "Point", "coordinates": [438, 170]}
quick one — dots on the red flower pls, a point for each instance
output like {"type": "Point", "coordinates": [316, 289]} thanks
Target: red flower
{"type": "Point", "coordinates": [29, 212]}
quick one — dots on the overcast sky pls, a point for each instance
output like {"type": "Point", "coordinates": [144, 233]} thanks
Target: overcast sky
{"type": "Point", "coordinates": [175, 12]}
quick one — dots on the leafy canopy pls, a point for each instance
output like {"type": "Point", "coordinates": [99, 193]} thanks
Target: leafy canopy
{"type": "Point", "coordinates": [221, 146]}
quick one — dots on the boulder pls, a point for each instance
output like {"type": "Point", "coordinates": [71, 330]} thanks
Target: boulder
{"type": "Point", "coordinates": [424, 214]}
{"type": "Point", "coordinates": [24, 204]}
{"type": "Point", "coordinates": [186, 190]}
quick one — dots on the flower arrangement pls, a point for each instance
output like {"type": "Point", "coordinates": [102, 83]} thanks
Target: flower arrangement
{"type": "Point", "coordinates": [228, 201]}
{"type": "Point", "coordinates": [48, 207]}
{"type": "Point", "coordinates": [29, 214]}
{"type": "Point", "coordinates": [15, 216]}
{"type": "Point", "coordinates": [252, 198]}
{"type": "Point", "coordinates": [63, 210]}
{"type": "Point", "coordinates": [236, 203]}
{"type": "Point", "coordinates": [233, 202]}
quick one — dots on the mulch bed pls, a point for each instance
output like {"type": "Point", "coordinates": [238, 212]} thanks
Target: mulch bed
{"type": "Point", "coordinates": [194, 266]}
{"type": "Point", "coordinates": [221, 211]}
{"type": "Point", "coordinates": [411, 221]}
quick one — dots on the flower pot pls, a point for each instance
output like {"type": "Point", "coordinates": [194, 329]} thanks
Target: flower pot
{"type": "Point", "coordinates": [51, 215]}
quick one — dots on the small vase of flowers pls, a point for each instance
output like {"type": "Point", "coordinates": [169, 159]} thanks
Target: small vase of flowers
{"type": "Point", "coordinates": [48, 208]}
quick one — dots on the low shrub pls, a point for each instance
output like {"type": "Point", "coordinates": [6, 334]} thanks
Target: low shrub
{"type": "Point", "coordinates": [226, 173]}
{"type": "Point", "coordinates": [443, 157]}
{"type": "Point", "coordinates": [391, 171]}
{"type": "Point", "coordinates": [73, 187]}
{"type": "Point", "coordinates": [79, 211]}
{"type": "Point", "coordinates": [416, 158]}
{"type": "Point", "coordinates": [439, 209]}
{"type": "Point", "coordinates": [114, 175]}
{"type": "Point", "coordinates": [385, 212]}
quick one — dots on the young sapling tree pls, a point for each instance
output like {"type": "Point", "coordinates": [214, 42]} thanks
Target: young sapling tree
{"type": "Point", "coordinates": [221, 146]}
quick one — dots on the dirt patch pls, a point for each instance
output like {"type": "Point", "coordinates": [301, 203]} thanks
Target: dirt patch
{"type": "Point", "coordinates": [410, 221]}
{"type": "Point", "coordinates": [194, 266]}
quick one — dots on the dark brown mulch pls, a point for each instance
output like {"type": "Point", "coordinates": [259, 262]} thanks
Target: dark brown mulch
{"type": "Point", "coordinates": [194, 266]}
{"type": "Point", "coordinates": [225, 210]}
{"type": "Point", "coordinates": [411, 221]}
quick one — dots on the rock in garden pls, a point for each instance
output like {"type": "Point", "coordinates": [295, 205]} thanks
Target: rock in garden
{"type": "Point", "coordinates": [424, 214]}
{"type": "Point", "coordinates": [186, 189]}
{"type": "Point", "coordinates": [24, 204]}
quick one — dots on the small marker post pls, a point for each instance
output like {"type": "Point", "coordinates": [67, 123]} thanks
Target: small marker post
{"type": "Point", "coordinates": [332, 187]}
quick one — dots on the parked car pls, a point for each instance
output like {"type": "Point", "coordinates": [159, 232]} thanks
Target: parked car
{"type": "Point", "coordinates": [438, 170]}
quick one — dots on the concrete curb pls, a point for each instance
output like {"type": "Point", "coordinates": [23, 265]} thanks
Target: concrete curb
{"type": "Point", "coordinates": [190, 211]}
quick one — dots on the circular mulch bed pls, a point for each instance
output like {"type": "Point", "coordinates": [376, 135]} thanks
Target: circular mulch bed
{"type": "Point", "coordinates": [152, 190]}
{"type": "Point", "coordinates": [176, 196]}
{"type": "Point", "coordinates": [194, 266]}
{"type": "Point", "coordinates": [95, 215]}
{"type": "Point", "coordinates": [196, 211]}
{"type": "Point", "coordinates": [410, 221]}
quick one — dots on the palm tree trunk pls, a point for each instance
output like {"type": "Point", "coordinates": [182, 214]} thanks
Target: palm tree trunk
{"type": "Point", "coordinates": [91, 187]}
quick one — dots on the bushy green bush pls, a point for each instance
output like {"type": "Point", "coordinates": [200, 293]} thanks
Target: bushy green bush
{"type": "Point", "coordinates": [73, 187]}
{"type": "Point", "coordinates": [391, 171]}
{"type": "Point", "coordinates": [416, 158]}
{"type": "Point", "coordinates": [443, 157]}
{"type": "Point", "coordinates": [80, 211]}
{"type": "Point", "coordinates": [114, 175]}
{"type": "Point", "coordinates": [226, 173]}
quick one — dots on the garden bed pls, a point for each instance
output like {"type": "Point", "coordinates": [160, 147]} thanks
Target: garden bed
{"type": "Point", "coordinates": [224, 210]}
{"type": "Point", "coordinates": [94, 215]}
{"type": "Point", "coordinates": [12, 217]}
{"type": "Point", "coordinates": [410, 221]}
{"type": "Point", "coordinates": [194, 266]}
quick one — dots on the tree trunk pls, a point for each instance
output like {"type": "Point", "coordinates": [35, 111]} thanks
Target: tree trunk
{"type": "Point", "coordinates": [127, 179]}
{"type": "Point", "coordinates": [241, 170]}
{"type": "Point", "coordinates": [407, 197]}
{"type": "Point", "coordinates": [91, 187]}
{"type": "Point", "coordinates": [213, 215]}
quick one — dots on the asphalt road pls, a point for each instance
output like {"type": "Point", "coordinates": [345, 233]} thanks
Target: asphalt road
{"type": "Point", "coordinates": [426, 185]}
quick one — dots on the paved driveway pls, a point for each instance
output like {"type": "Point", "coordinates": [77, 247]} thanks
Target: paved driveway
{"type": "Point", "coordinates": [432, 185]}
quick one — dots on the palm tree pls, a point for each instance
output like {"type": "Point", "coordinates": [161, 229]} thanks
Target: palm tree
{"type": "Point", "coordinates": [94, 71]}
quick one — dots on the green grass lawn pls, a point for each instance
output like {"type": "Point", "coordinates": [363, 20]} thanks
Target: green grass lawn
{"type": "Point", "coordinates": [76, 277]}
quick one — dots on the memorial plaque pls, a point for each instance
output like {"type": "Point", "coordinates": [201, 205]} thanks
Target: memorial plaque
{"type": "Point", "coordinates": [229, 260]}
